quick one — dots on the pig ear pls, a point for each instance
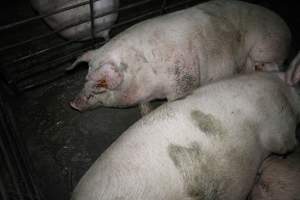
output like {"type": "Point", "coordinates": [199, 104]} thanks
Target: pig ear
{"type": "Point", "coordinates": [282, 76]}
{"type": "Point", "coordinates": [86, 57]}
{"type": "Point", "coordinates": [107, 76]}
{"type": "Point", "coordinates": [266, 67]}
{"type": "Point", "coordinates": [293, 72]}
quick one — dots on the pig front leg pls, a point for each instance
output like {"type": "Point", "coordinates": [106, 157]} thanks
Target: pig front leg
{"type": "Point", "coordinates": [145, 108]}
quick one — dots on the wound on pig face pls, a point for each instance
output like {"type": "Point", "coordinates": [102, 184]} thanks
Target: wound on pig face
{"type": "Point", "coordinates": [102, 83]}
{"type": "Point", "coordinates": [195, 167]}
{"type": "Point", "coordinates": [208, 123]}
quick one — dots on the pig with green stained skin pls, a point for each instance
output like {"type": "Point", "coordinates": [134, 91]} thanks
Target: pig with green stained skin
{"type": "Point", "coordinates": [209, 145]}
{"type": "Point", "coordinates": [169, 56]}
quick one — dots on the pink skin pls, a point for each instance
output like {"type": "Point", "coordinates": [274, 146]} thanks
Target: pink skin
{"type": "Point", "coordinates": [166, 64]}
{"type": "Point", "coordinates": [280, 179]}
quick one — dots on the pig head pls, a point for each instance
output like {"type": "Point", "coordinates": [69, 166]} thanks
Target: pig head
{"type": "Point", "coordinates": [101, 88]}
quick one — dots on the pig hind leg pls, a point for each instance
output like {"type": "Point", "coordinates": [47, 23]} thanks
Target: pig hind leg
{"type": "Point", "coordinates": [145, 108]}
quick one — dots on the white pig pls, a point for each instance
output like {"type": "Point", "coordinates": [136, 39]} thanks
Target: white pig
{"type": "Point", "coordinates": [78, 14]}
{"type": "Point", "coordinates": [280, 179]}
{"type": "Point", "coordinates": [169, 56]}
{"type": "Point", "coordinates": [207, 146]}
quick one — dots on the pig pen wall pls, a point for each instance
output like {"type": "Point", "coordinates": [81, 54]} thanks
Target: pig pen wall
{"type": "Point", "coordinates": [61, 142]}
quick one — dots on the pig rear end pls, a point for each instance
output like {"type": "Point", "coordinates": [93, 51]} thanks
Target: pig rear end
{"type": "Point", "coordinates": [279, 179]}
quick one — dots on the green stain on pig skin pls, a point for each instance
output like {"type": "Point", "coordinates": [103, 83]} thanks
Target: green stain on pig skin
{"type": "Point", "coordinates": [208, 123]}
{"type": "Point", "coordinates": [197, 170]}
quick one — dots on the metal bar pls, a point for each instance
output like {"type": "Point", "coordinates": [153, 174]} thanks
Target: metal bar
{"type": "Point", "coordinates": [72, 25]}
{"type": "Point", "coordinates": [163, 5]}
{"type": "Point", "coordinates": [8, 133]}
{"type": "Point", "coordinates": [9, 164]}
{"type": "Point", "coordinates": [44, 82]}
{"type": "Point", "coordinates": [2, 28]}
{"type": "Point", "coordinates": [3, 193]}
{"type": "Point", "coordinates": [92, 20]}
{"type": "Point", "coordinates": [66, 43]}
{"type": "Point", "coordinates": [20, 146]}
{"type": "Point", "coordinates": [56, 61]}
{"type": "Point", "coordinates": [114, 26]}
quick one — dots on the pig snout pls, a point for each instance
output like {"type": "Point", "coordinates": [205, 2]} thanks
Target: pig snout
{"type": "Point", "coordinates": [79, 103]}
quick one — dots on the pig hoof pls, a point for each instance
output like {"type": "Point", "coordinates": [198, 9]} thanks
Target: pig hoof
{"type": "Point", "coordinates": [145, 108]}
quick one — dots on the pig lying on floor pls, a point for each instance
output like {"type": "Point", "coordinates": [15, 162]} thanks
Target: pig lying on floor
{"type": "Point", "coordinates": [206, 146]}
{"type": "Point", "coordinates": [280, 179]}
{"type": "Point", "coordinates": [169, 56]}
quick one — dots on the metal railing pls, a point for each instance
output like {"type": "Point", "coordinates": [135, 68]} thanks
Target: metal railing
{"type": "Point", "coordinates": [16, 180]}
{"type": "Point", "coordinates": [28, 70]}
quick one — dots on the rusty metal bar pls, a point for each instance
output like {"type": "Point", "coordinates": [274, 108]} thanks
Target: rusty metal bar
{"type": "Point", "coordinates": [50, 63]}
{"type": "Point", "coordinates": [73, 54]}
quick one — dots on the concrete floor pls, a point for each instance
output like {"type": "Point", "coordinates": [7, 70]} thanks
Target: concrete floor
{"type": "Point", "coordinates": [62, 142]}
